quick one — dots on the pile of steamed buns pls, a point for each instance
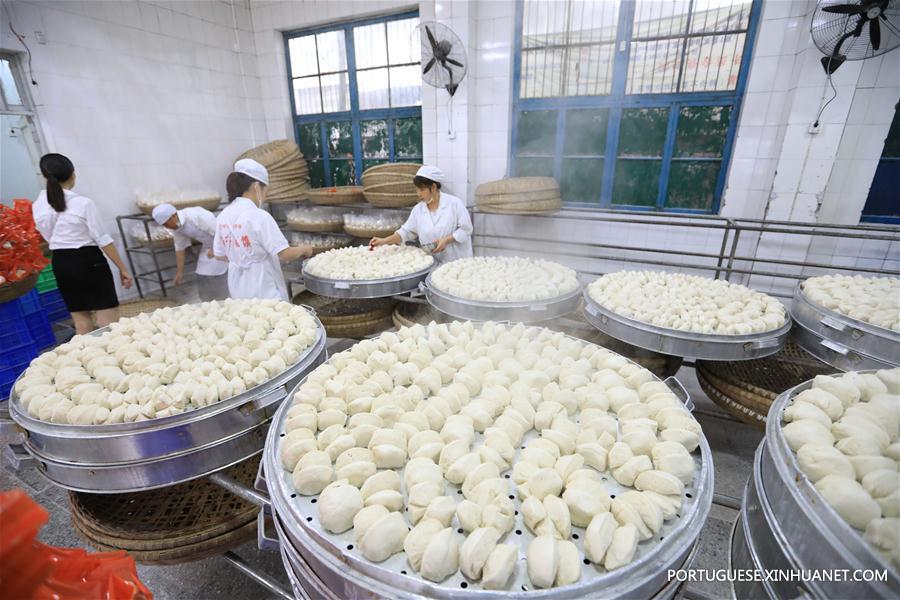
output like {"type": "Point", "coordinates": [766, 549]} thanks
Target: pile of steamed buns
{"type": "Point", "coordinates": [874, 300]}
{"type": "Point", "coordinates": [504, 279]}
{"type": "Point", "coordinates": [362, 263]}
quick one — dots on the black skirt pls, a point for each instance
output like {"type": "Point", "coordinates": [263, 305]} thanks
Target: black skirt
{"type": "Point", "coordinates": [84, 279]}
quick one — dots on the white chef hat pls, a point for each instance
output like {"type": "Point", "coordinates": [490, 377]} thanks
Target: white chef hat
{"type": "Point", "coordinates": [432, 173]}
{"type": "Point", "coordinates": [253, 169]}
{"type": "Point", "coordinates": [162, 213]}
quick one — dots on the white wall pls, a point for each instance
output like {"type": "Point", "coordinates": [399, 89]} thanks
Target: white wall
{"type": "Point", "coordinates": [18, 174]}
{"type": "Point", "coordinates": [142, 95]}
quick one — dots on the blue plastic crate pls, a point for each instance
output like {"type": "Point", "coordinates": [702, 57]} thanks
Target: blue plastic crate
{"type": "Point", "coordinates": [8, 377]}
{"type": "Point", "coordinates": [54, 305]}
{"type": "Point", "coordinates": [13, 356]}
{"type": "Point", "coordinates": [14, 333]}
{"type": "Point", "coordinates": [39, 327]}
{"type": "Point", "coordinates": [30, 303]}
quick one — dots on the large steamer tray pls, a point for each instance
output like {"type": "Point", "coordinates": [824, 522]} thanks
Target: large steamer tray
{"type": "Point", "coordinates": [841, 341]}
{"type": "Point", "coordinates": [525, 311]}
{"type": "Point", "coordinates": [144, 455]}
{"type": "Point", "coordinates": [818, 537]}
{"type": "Point", "coordinates": [364, 288]}
{"type": "Point", "coordinates": [337, 560]}
{"type": "Point", "coordinates": [703, 346]}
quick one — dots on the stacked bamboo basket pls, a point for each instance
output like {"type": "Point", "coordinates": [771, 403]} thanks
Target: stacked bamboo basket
{"type": "Point", "coordinates": [390, 185]}
{"type": "Point", "coordinates": [179, 200]}
{"type": "Point", "coordinates": [746, 389]}
{"type": "Point", "coordinates": [346, 318]}
{"type": "Point", "coordinates": [334, 196]}
{"type": "Point", "coordinates": [288, 171]}
{"type": "Point", "coordinates": [519, 196]}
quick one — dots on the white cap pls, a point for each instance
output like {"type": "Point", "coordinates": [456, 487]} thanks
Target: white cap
{"type": "Point", "coordinates": [432, 173]}
{"type": "Point", "coordinates": [253, 169]}
{"type": "Point", "coordinates": [162, 213]}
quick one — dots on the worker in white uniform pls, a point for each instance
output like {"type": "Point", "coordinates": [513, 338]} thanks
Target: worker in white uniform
{"type": "Point", "coordinates": [439, 220]}
{"type": "Point", "coordinates": [250, 240]}
{"type": "Point", "coordinates": [187, 225]}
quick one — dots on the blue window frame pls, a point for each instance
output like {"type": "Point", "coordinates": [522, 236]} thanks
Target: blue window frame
{"type": "Point", "coordinates": [355, 91]}
{"type": "Point", "coordinates": [630, 104]}
{"type": "Point", "coordinates": [882, 205]}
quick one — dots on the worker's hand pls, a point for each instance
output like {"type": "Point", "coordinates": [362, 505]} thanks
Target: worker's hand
{"type": "Point", "coordinates": [179, 279]}
{"type": "Point", "coordinates": [377, 241]}
{"type": "Point", "coordinates": [210, 253]}
{"type": "Point", "coordinates": [126, 279]}
{"type": "Point", "coordinates": [308, 249]}
{"type": "Point", "coordinates": [442, 244]}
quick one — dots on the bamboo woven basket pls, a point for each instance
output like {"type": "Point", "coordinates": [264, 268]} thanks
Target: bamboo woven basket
{"type": "Point", "coordinates": [512, 209]}
{"type": "Point", "coordinates": [520, 198]}
{"type": "Point", "coordinates": [271, 153]}
{"type": "Point", "coordinates": [382, 200]}
{"type": "Point", "coordinates": [308, 227]}
{"type": "Point", "coordinates": [378, 178]}
{"type": "Point", "coordinates": [361, 329]}
{"type": "Point", "coordinates": [739, 411]}
{"type": "Point", "coordinates": [210, 203]}
{"type": "Point", "coordinates": [347, 194]}
{"type": "Point", "coordinates": [176, 524]}
{"type": "Point", "coordinates": [362, 232]}
{"type": "Point", "coordinates": [517, 185]}
{"type": "Point", "coordinates": [392, 188]}
{"type": "Point", "coordinates": [17, 289]}
{"type": "Point", "coordinates": [399, 167]}
{"type": "Point", "coordinates": [343, 317]}
{"type": "Point", "coordinates": [136, 307]}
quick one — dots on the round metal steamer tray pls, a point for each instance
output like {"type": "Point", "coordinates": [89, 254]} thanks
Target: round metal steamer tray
{"type": "Point", "coordinates": [704, 346]}
{"type": "Point", "coordinates": [525, 311]}
{"type": "Point", "coordinates": [338, 562]}
{"type": "Point", "coordinates": [128, 457]}
{"type": "Point", "coordinates": [840, 341]}
{"type": "Point", "coordinates": [787, 518]}
{"type": "Point", "coordinates": [364, 288]}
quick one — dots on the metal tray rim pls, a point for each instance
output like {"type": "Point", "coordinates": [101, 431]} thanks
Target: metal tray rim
{"type": "Point", "coordinates": [801, 298]}
{"type": "Point", "coordinates": [361, 282]}
{"type": "Point", "coordinates": [501, 305]}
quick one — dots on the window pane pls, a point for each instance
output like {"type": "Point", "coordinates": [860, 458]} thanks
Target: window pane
{"type": "Point", "coordinates": [332, 51]}
{"type": "Point", "coordinates": [543, 23]}
{"type": "Point", "coordinates": [702, 131]}
{"type": "Point", "coordinates": [653, 67]}
{"type": "Point", "coordinates": [374, 136]}
{"type": "Point", "coordinates": [406, 86]}
{"type": "Point", "coordinates": [335, 93]}
{"type": "Point", "coordinates": [303, 55]}
{"type": "Point", "coordinates": [537, 132]}
{"type": "Point", "coordinates": [581, 179]}
{"type": "Point", "coordinates": [342, 172]}
{"type": "Point", "coordinates": [712, 62]}
{"type": "Point", "coordinates": [10, 91]}
{"type": "Point", "coordinates": [692, 184]}
{"type": "Point", "coordinates": [401, 48]}
{"type": "Point", "coordinates": [715, 15]}
{"type": "Point", "coordinates": [340, 139]}
{"type": "Point", "coordinates": [658, 18]}
{"type": "Point", "coordinates": [316, 173]}
{"type": "Point", "coordinates": [892, 141]}
{"type": "Point", "coordinates": [310, 140]}
{"type": "Point", "coordinates": [541, 73]}
{"type": "Point", "coordinates": [372, 87]}
{"type": "Point", "coordinates": [307, 100]}
{"type": "Point", "coordinates": [373, 162]}
{"type": "Point", "coordinates": [371, 46]}
{"type": "Point", "coordinates": [882, 199]}
{"type": "Point", "coordinates": [589, 70]}
{"type": "Point", "coordinates": [642, 131]}
{"type": "Point", "coordinates": [637, 182]}
{"type": "Point", "coordinates": [408, 138]}
{"type": "Point", "coordinates": [586, 131]}
{"type": "Point", "coordinates": [593, 21]}
{"type": "Point", "coordinates": [536, 167]}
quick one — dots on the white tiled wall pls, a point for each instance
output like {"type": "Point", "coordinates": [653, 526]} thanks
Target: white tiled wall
{"type": "Point", "coordinates": [146, 96]}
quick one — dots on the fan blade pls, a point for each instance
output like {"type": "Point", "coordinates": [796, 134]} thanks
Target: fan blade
{"type": "Point", "coordinates": [845, 9]}
{"type": "Point", "coordinates": [875, 34]}
{"type": "Point", "coordinates": [449, 70]}
{"type": "Point", "coordinates": [434, 44]}
{"type": "Point", "coordinates": [428, 66]}
{"type": "Point", "coordinates": [455, 63]}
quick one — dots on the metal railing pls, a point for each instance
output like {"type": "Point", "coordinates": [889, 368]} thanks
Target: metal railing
{"type": "Point", "coordinates": [737, 249]}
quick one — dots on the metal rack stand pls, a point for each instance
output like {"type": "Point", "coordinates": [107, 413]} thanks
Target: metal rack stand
{"type": "Point", "coordinates": [154, 275]}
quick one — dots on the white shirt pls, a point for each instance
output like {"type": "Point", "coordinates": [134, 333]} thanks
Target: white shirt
{"type": "Point", "coordinates": [199, 224]}
{"type": "Point", "coordinates": [77, 226]}
{"type": "Point", "coordinates": [451, 218]}
{"type": "Point", "coordinates": [251, 240]}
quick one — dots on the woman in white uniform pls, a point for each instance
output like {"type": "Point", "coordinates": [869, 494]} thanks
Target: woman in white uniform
{"type": "Point", "coordinates": [439, 220]}
{"type": "Point", "coordinates": [187, 225]}
{"type": "Point", "coordinates": [250, 240]}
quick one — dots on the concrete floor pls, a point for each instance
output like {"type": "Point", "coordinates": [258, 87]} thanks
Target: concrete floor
{"type": "Point", "coordinates": [732, 442]}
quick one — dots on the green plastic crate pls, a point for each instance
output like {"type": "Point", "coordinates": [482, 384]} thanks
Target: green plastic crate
{"type": "Point", "coordinates": [46, 280]}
